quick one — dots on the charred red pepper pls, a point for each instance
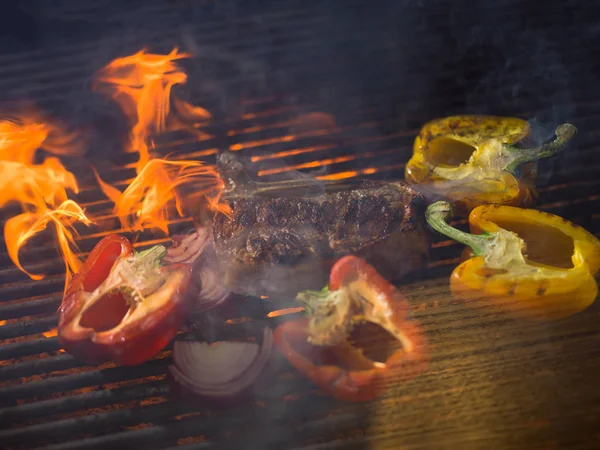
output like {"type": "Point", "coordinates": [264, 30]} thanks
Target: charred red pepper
{"type": "Point", "coordinates": [318, 345]}
{"type": "Point", "coordinates": [123, 306]}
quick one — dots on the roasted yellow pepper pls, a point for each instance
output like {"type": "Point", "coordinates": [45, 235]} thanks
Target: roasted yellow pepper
{"type": "Point", "coordinates": [531, 263]}
{"type": "Point", "coordinates": [471, 160]}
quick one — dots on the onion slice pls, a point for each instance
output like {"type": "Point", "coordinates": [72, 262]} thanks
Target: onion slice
{"type": "Point", "coordinates": [188, 247]}
{"type": "Point", "coordinates": [196, 248]}
{"type": "Point", "coordinates": [222, 371]}
{"type": "Point", "coordinates": [212, 291]}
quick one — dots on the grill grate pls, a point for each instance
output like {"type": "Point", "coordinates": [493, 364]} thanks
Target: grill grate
{"type": "Point", "coordinates": [381, 72]}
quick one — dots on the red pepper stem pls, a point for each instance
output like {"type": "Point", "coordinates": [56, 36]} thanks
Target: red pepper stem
{"type": "Point", "coordinates": [139, 273]}
{"type": "Point", "coordinates": [311, 300]}
{"type": "Point", "coordinates": [437, 215]}
{"type": "Point", "coordinates": [517, 156]}
{"type": "Point", "coordinates": [333, 314]}
{"type": "Point", "coordinates": [150, 257]}
{"type": "Point", "coordinates": [329, 321]}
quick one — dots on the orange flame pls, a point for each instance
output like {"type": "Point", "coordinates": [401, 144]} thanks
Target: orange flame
{"type": "Point", "coordinates": [142, 85]}
{"type": "Point", "coordinates": [146, 200]}
{"type": "Point", "coordinates": [34, 186]}
{"type": "Point", "coordinates": [19, 229]}
{"type": "Point", "coordinates": [22, 137]}
{"type": "Point", "coordinates": [40, 189]}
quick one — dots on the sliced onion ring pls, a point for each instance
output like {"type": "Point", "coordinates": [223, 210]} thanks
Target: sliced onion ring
{"type": "Point", "coordinates": [224, 370]}
{"type": "Point", "coordinates": [188, 247]}
{"type": "Point", "coordinates": [196, 248]}
{"type": "Point", "coordinates": [212, 291]}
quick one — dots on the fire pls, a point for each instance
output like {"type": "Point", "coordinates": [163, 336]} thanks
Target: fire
{"type": "Point", "coordinates": [23, 136]}
{"type": "Point", "coordinates": [144, 203]}
{"type": "Point", "coordinates": [142, 85]}
{"type": "Point", "coordinates": [34, 186]}
{"type": "Point", "coordinates": [19, 229]}
{"type": "Point", "coordinates": [40, 189]}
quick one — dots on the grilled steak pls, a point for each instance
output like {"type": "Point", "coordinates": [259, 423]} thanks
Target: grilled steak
{"type": "Point", "coordinates": [280, 245]}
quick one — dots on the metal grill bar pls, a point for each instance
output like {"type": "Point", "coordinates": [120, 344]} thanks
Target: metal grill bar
{"type": "Point", "coordinates": [164, 434]}
{"type": "Point", "coordinates": [78, 380]}
{"type": "Point", "coordinates": [20, 349]}
{"type": "Point", "coordinates": [562, 175]}
{"type": "Point", "coordinates": [31, 411]}
{"type": "Point", "coordinates": [114, 419]}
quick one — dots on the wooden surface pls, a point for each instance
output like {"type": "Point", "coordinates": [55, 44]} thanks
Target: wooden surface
{"type": "Point", "coordinates": [493, 382]}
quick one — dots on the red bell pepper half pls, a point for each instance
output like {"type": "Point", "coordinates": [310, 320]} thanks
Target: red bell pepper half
{"type": "Point", "coordinates": [318, 346]}
{"type": "Point", "coordinates": [123, 306]}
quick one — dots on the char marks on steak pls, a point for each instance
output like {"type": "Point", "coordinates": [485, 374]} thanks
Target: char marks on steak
{"type": "Point", "coordinates": [278, 246]}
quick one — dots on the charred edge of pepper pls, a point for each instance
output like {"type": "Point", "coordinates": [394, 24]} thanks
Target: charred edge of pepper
{"type": "Point", "coordinates": [564, 134]}
{"type": "Point", "coordinates": [439, 213]}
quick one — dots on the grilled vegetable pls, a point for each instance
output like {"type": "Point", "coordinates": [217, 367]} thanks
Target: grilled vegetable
{"type": "Point", "coordinates": [222, 371]}
{"type": "Point", "coordinates": [532, 263]}
{"type": "Point", "coordinates": [318, 345]}
{"type": "Point", "coordinates": [196, 248]}
{"type": "Point", "coordinates": [123, 306]}
{"type": "Point", "coordinates": [471, 160]}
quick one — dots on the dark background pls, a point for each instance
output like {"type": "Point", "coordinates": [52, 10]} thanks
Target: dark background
{"type": "Point", "coordinates": [413, 58]}
{"type": "Point", "coordinates": [407, 61]}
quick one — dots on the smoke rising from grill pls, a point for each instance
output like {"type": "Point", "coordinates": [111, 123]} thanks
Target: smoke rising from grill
{"type": "Point", "coordinates": [380, 71]}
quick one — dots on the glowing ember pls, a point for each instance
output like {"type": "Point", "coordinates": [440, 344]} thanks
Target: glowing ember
{"type": "Point", "coordinates": [357, 173]}
{"type": "Point", "coordinates": [50, 333]}
{"type": "Point", "coordinates": [293, 152]}
{"type": "Point", "coordinates": [40, 189]}
{"type": "Point", "coordinates": [142, 85]}
{"type": "Point", "coordinates": [283, 312]}
{"type": "Point", "coordinates": [309, 165]}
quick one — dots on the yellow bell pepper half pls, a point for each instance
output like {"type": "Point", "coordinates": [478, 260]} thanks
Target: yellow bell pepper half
{"type": "Point", "coordinates": [471, 160]}
{"type": "Point", "coordinates": [530, 263]}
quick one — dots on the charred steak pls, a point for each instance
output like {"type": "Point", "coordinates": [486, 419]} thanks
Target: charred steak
{"type": "Point", "coordinates": [278, 246]}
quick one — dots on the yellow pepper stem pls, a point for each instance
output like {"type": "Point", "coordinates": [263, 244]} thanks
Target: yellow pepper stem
{"type": "Point", "coordinates": [439, 213]}
{"type": "Point", "coordinates": [517, 156]}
